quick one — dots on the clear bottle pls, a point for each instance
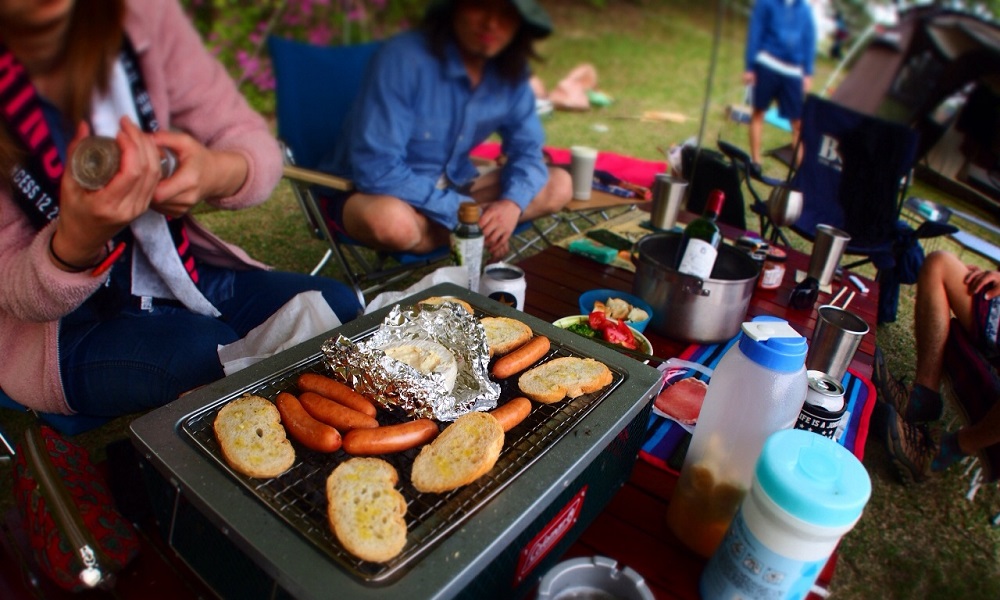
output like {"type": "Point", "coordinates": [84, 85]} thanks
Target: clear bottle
{"type": "Point", "coordinates": [699, 245]}
{"type": "Point", "coordinates": [757, 388]}
{"type": "Point", "coordinates": [96, 161]}
{"type": "Point", "coordinates": [467, 242]}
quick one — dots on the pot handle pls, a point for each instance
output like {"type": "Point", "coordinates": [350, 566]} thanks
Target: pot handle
{"type": "Point", "coordinates": [695, 286]}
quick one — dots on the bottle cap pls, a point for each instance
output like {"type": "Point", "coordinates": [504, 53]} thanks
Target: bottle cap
{"type": "Point", "coordinates": [772, 343]}
{"type": "Point", "coordinates": [813, 478]}
{"type": "Point", "coordinates": [468, 212]}
{"type": "Point", "coordinates": [716, 198]}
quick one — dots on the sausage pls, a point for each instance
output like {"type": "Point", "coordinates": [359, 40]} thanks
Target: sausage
{"type": "Point", "coordinates": [304, 428]}
{"type": "Point", "coordinates": [334, 390]}
{"type": "Point", "coordinates": [334, 414]}
{"type": "Point", "coordinates": [512, 413]}
{"type": "Point", "coordinates": [522, 358]}
{"type": "Point", "coordinates": [390, 438]}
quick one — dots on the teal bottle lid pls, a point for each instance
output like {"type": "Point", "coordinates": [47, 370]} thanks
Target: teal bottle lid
{"type": "Point", "coordinates": [813, 478]}
{"type": "Point", "coordinates": [772, 343]}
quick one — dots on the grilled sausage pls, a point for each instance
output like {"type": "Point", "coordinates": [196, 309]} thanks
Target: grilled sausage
{"type": "Point", "coordinates": [512, 413]}
{"type": "Point", "coordinates": [522, 358]}
{"type": "Point", "coordinates": [334, 414]}
{"type": "Point", "coordinates": [390, 438]}
{"type": "Point", "coordinates": [336, 391]}
{"type": "Point", "coordinates": [304, 428]}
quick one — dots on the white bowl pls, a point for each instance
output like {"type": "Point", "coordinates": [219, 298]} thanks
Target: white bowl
{"type": "Point", "coordinates": [642, 344]}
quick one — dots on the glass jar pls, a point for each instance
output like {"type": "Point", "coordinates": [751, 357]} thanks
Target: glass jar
{"type": "Point", "coordinates": [773, 271]}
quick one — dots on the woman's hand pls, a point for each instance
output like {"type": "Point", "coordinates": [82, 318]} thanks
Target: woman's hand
{"type": "Point", "coordinates": [201, 173]}
{"type": "Point", "coordinates": [89, 219]}
{"type": "Point", "coordinates": [498, 221]}
{"type": "Point", "coordinates": [978, 280]}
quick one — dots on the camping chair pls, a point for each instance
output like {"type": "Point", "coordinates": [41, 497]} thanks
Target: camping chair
{"type": "Point", "coordinates": [854, 175]}
{"type": "Point", "coordinates": [314, 88]}
{"type": "Point", "coordinates": [65, 424]}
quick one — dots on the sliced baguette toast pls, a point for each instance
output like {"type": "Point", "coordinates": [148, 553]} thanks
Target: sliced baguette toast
{"type": "Point", "coordinates": [559, 378]}
{"type": "Point", "coordinates": [366, 510]}
{"type": "Point", "coordinates": [465, 451]}
{"type": "Point", "coordinates": [252, 439]}
{"type": "Point", "coordinates": [504, 334]}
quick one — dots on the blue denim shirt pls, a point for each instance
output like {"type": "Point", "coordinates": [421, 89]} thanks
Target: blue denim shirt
{"type": "Point", "coordinates": [416, 119]}
{"type": "Point", "coordinates": [784, 30]}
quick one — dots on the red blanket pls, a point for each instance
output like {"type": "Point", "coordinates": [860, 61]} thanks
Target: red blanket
{"type": "Point", "coordinates": [633, 170]}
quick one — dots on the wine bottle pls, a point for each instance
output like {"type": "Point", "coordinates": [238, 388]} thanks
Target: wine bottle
{"type": "Point", "coordinates": [467, 242]}
{"type": "Point", "coordinates": [700, 243]}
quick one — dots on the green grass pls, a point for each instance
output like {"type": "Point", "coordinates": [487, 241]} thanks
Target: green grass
{"type": "Point", "coordinates": [919, 541]}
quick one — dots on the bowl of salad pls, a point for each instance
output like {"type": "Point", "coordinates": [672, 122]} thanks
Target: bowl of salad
{"type": "Point", "coordinates": [617, 305]}
{"type": "Point", "coordinates": [609, 330]}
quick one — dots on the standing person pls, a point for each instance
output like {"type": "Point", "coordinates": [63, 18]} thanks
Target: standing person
{"type": "Point", "coordinates": [781, 49]}
{"type": "Point", "coordinates": [115, 300]}
{"type": "Point", "coordinates": [913, 439]}
{"type": "Point", "coordinates": [430, 97]}
{"type": "Point", "coordinates": [840, 35]}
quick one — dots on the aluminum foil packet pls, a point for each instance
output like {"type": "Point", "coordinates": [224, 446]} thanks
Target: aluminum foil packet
{"type": "Point", "coordinates": [396, 385]}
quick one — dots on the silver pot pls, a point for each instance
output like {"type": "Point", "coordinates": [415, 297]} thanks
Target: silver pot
{"type": "Point", "coordinates": [687, 308]}
{"type": "Point", "coordinates": [784, 205]}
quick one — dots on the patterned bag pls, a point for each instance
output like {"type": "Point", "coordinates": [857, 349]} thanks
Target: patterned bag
{"type": "Point", "coordinates": [78, 538]}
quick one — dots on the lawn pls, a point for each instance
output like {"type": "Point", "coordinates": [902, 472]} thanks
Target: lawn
{"type": "Point", "coordinates": [920, 541]}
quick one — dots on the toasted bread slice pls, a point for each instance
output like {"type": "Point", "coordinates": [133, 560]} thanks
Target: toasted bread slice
{"type": "Point", "coordinates": [366, 510]}
{"type": "Point", "coordinates": [442, 299]}
{"type": "Point", "coordinates": [465, 451]}
{"type": "Point", "coordinates": [504, 334]}
{"type": "Point", "coordinates": [252, 439]}
{"type": "Point", "coordinates": [559, 378]}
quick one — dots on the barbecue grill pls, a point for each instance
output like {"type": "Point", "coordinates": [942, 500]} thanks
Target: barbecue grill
{"type": "Point", "coordinates": [496, 537]}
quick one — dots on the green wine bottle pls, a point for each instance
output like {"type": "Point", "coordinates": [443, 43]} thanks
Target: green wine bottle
{"type": "Point", "coordinates": [700, 243]}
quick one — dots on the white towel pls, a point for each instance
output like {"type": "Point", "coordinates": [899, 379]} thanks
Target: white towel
{"type": "Point", "coordinates": [157, 270]}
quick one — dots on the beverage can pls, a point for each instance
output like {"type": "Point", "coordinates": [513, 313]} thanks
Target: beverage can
{"type": "Point", "coordinates": [504, 283]}
{"type": "Point", "coordinates": [824, 406]}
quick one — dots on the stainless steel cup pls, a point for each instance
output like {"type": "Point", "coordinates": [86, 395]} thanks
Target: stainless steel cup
{"type": "Point", "coordinates": [835, 339]}
{"type": "Point", "coordinates": [828, 247]}
{"type": "Point", "coordinates": [668, 195]}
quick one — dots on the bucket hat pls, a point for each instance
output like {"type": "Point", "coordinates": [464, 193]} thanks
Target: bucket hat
{"type": "Point", "coordinates": [531, 12]}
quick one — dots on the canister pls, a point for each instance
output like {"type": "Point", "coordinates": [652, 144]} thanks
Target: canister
{"type": "Point", "coordinates": [824, 406]}
{"type": "Point", "coordinates": [808, 492]}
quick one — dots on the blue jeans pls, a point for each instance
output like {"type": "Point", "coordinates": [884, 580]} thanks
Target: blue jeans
{"type": "Point", "coordinates": [132, 359]}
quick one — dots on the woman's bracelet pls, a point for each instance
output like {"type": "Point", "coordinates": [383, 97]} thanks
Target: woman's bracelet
{"type": "Point", "coordinates": [70, 267]}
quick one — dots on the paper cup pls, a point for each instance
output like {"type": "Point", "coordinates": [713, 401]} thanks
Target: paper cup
{"type": "Point", "coordinates": [581, 167]}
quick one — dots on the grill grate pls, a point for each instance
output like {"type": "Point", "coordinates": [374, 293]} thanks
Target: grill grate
{"type": "Point", "coordinates": [298, 496]}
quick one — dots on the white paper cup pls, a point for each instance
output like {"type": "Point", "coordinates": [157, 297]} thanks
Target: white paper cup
{"type": "Point", "coordinates": [581, 167]}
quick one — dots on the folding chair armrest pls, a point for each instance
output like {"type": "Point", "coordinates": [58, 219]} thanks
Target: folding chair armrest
{"type": "Point", "coordinates": [318, 178]}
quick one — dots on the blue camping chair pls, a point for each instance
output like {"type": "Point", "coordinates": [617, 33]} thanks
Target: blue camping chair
{"type": "Point", "coordinates": [854, 176]}
{"type": "Point", "coordinates": [315, 87]}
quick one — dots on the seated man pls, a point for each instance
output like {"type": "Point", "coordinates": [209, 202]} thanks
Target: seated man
{"type": "Point", "coordinates": [945, 287]}
{"type": "Point", "coordinates": [431, 96]}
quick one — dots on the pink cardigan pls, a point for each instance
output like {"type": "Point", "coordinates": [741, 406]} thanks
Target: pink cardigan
{"type": "Point", "coordinates": [190, 91]}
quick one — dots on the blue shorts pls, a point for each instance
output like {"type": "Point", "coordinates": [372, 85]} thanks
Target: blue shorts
{"type": "Point", "coordinates": [787, 90]}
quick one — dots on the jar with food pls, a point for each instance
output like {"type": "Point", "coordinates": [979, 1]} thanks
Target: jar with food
{"type": "Point", "coordinates": [757, 388]}
{"type": "Point", "coordinates": [773, 271]}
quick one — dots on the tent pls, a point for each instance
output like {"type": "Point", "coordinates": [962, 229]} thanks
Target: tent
{"type": "Point", "coordinates": [937, 70]}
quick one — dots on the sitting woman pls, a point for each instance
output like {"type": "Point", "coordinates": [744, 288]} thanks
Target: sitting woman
{"type": "Point", "coordinates": [115, 300]}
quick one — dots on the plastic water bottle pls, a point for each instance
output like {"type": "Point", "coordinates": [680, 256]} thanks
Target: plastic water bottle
{"type": "Point", "coordinates": [467, 242]}
{"type": "Point", "coordinates": [807, 492]}
{"type": "Point", "coordinates": [757, 388]}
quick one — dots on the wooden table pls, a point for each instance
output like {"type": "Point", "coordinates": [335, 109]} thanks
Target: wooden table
{"type": "Point", "coordinates": [632, 529]}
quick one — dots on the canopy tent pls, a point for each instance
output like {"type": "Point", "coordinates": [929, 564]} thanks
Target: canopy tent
{"type": "Point", "coordinates": [937, 70]}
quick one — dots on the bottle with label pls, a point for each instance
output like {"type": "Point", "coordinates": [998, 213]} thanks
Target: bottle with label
{"type": "Point", "coordinates": [757, 388]}
{"type": "Point", "coordinates": [700, 243]}
{"type": "Point", "coordinates": [467, 243]}
{"type": "Point", "coordinates": [807, 492]}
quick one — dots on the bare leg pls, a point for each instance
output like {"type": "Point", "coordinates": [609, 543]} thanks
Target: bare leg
{"type": "Point", "coordinates": [796, 133]}
{"type": "Point", "coordinates": [388, 223]}
{"type": "Point", "coordinates": [941, 291]}
{"type": "Point", "coordinates": [756, 134]}
{"type": "Point", "coordinates": [556, 194]}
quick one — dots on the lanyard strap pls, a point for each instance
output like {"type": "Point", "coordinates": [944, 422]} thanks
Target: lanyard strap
{"type": "Point", "coordinates": [35, 183]}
